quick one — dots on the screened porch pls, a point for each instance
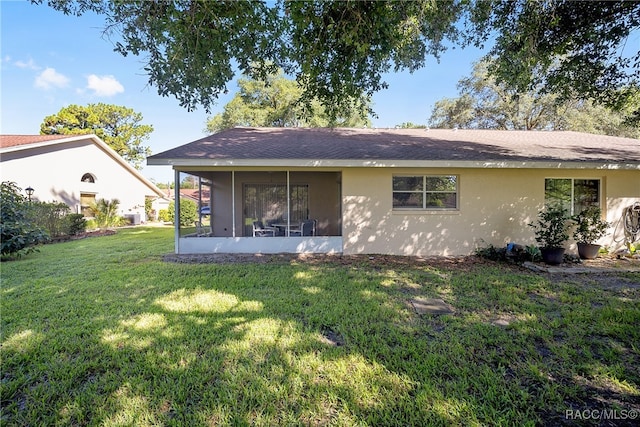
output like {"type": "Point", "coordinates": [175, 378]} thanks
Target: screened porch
{"type": "Point", "coordinates": [263, 212]}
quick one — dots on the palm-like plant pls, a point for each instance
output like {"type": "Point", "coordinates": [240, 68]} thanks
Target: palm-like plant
{"type": "Point", "coordinates": [106, 213]}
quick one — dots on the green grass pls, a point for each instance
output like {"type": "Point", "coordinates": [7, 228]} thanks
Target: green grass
{"type": "Point", "coordinates": [101, 331]}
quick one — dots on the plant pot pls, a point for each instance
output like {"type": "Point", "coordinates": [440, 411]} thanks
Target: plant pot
{"type": "Point", "coordinates": [553, 256]}
{"type": "Point", "coordinates": [588, 250]}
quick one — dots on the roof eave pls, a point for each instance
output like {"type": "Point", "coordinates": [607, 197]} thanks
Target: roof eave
{"type": "Point", "coordinates": [378, 163]}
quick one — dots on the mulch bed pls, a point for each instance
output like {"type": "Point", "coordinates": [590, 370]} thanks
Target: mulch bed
{"type": "Point", "coordinates": [79, 236]}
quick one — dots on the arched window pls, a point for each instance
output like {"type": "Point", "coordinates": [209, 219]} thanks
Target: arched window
{"type": "Point", "coordinates": [87, 177]}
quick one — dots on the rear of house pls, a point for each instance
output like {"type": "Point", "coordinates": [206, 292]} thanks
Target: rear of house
{"type": "Point", "coordinates": [398, 191]}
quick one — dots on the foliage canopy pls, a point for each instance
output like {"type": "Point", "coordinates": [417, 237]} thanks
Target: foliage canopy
{"type": "Point", "coordinates": [18, 233]}
{"type": "Point", "coordinates": [484, 103]}
{"type": "Point", "coordinates": [340, 50]}
{"type": "Point", "coordinates": [119, 127]}
{"type": "Point", "coordinates": [277, 102]}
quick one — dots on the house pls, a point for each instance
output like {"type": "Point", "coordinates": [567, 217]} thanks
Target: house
{"type": "Point", "coordinates": [76, 170]}
{"type": "Point", "coordinates": [399, 191]}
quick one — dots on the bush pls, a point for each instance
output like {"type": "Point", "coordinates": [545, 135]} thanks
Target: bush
{"type": "Point", "coordinates": [188, 212]}
{"type": "Point", "coordinates": [511, 253]}
{"type": "Point", "coordinates": [148, 208]}
{"type": "Point", "coordinates": [91, 224]}
{"type": "Point", "coordinates": [18, 234]}
{"type": "Point", "coordinates": [164, 216]}
{"type": "Point", "coordinates": [106, 213]}
{"type": "Point", "coordinates": [589, 225]}
{"type": "Point", "coordinates": [75, 224]}
{"type": "Point", "coordinates": [551, 229]}
{"type": "Point", "coordinates": [50, 216]}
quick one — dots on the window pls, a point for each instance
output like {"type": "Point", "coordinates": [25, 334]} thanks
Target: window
{"type": "Point", "coordinates": [86, 201]}
{"type": "Point", "coordinates": [574, 195]}
{"type": "Point", "coordinates": [87, 177]}
{"type": "Point", "coordinates": [425, 192]}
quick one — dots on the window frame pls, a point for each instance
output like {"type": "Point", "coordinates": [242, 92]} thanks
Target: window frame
{"type": "Point", "coordinates": [425, 192]}
{"type": "Point", "coordinates": [572, 202]}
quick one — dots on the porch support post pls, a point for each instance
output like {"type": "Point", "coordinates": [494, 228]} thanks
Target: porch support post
{"type": "Point", "coordinates": [233, 203]}
{"type": "Point", "coordinates": [288, 208]}
{"type": "Point", "coordinates": [176, 211]}
{"type": "Point", "coordinates": [200, 200]}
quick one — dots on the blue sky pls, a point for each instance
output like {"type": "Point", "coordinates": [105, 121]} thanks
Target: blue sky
{"type": "Point", "coordinates": [49, 61]}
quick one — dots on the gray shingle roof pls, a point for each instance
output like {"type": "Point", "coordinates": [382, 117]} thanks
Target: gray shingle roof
{"type": "Point", "coordinates": [247, 144]}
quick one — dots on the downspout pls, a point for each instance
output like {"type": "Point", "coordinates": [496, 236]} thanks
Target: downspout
{"type": "Point", "coordinates": [176, 213]}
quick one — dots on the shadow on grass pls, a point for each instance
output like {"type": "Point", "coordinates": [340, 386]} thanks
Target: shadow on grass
{"type": "Point", "coordinates": [146, 343]}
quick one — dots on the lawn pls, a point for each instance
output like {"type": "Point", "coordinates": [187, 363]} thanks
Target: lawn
{"type": "Point", "coordinates": [102, 331]}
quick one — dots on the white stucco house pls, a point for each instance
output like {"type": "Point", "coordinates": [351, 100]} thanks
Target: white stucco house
{"type": "Point", "coordinates": [399, 191]}
{"type": "Point", "coordinates": [76, 170]}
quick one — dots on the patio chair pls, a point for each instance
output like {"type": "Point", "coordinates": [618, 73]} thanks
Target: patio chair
{"type": "Point", "coordinates": [259, 230]}
{"type": "Point", "coordinates": [307, 228]}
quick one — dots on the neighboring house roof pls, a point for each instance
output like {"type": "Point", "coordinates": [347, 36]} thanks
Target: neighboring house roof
{"type": "Point", "coordinates": [7, 141]}
{"type": "Point", "coordinates": [14, 143]}
{"type": "Point", "coordinates": [403, 147]}
{"type": "Point", "coordinates": [192, 193]}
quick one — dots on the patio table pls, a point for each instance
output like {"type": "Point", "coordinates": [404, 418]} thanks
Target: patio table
{"type": "Point", "coordinates": [282, 227]}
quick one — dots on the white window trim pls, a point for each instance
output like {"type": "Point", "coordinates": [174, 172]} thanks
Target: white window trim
{"type": "Point", "coordinates": [425, 208]}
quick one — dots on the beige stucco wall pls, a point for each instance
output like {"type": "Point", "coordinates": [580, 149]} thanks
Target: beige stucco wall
{"type": "Point", "coordinates": [55, 173]}
{"type": "Point", "coordinates": [495, 206]}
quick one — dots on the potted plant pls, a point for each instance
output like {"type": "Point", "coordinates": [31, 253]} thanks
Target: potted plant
{"type": "Point", "coordinates": [551, 232]}
{"type": "Point", "coordinates": [589, 227]}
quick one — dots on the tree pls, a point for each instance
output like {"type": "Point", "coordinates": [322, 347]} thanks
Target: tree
{"type": "Point", "coordinates": [486, 104]}
{"type": "Point", "coordinates": [339, 50]}
{"type": "Point", "coordinates": [119, 127]}
{"type": "Point", "coordinates": [189, 182]}
{"type": "Point", "coordinates": [585, 49]}
{"type": "Point", "coordinates": [188, 212]}
{"type": "Point", "coordinates": [18, 233]}
{"type": "Point", "coordinates": [277, 102]}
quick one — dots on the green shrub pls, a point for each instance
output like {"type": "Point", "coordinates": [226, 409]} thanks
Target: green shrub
{"type": "Point", "coordinates": [50, 216]}
{"type": "Point", "coordinates": [18, 234]}
{"type": "Point", "coordinates": [163, 216]}
{"type": "Point", "coordinates": [148, 208]}
{"type": "Point", "coordinates": [188, 212]}
{"type": "Point", "coordinates": [91, 224]}
{"type": "Point", "coordinates": [551, 228]}
{"type": "Point", "coordinates": [511, 253]}
{"type": "Point", "coordinates": [75, 224]}
{"type": "Point", "coordinates": [106, 213]}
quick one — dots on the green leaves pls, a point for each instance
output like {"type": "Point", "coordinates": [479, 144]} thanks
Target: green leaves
{"type": "Point", "coordinates": [18, 233]}
{"type": "Point", "coordinates": [119, 127]}
{"type": "Point", "coordinates": [340, 50]}
{"type": "Point", "coordinates": [278, 102]}
{"type": "Point", "coordinates": [485, 103]}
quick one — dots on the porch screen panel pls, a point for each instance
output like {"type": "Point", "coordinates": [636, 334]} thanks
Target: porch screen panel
{"type": "Point", "coordinates": [299, 203]}
{"type": "Point", "coordinates": [268, 203]}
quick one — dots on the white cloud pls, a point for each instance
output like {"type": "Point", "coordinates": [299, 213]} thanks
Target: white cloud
{"type": "Point", "coordinates": [28, 64]}
{"type": "Point", "coordinates": [104, 85]}
{"type": "Point", "coordinates": [50, 78]}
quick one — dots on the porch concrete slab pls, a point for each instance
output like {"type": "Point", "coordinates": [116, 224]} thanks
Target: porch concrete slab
{"type": "Point", "coordinates": [433, 306]}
